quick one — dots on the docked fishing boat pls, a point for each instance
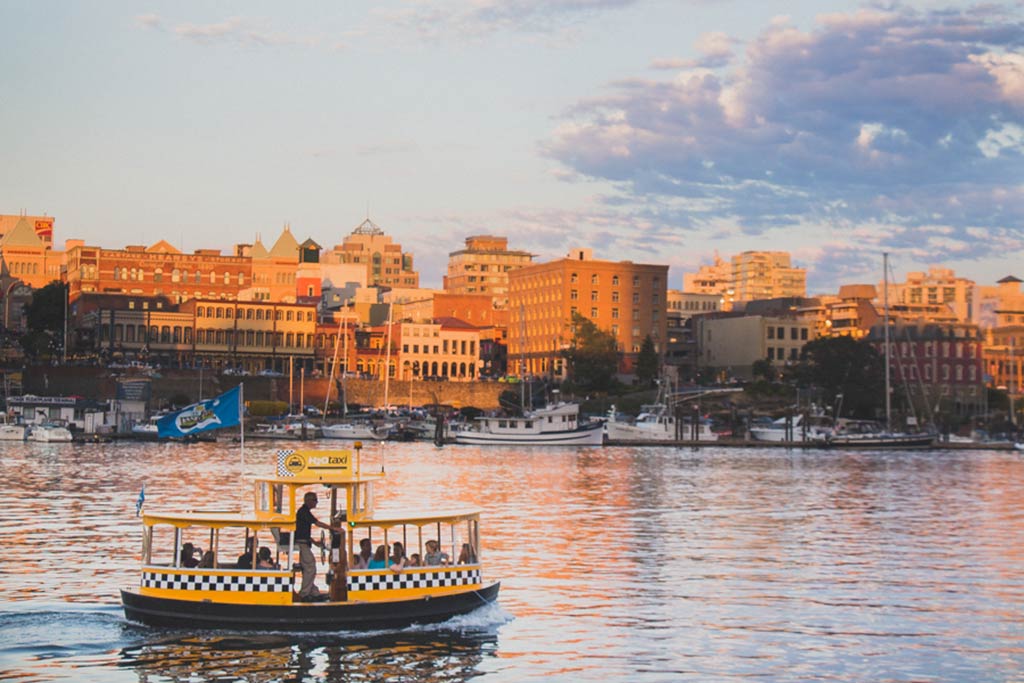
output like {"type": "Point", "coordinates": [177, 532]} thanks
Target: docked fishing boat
{"type": "Point", "coordinates": [555, 425]}
{"type": "Point", "coordinates": [868, 434]}
{"type": "Point", "coordinates": [222, 592]}
{"type": "Point", "coordinates": [49, 432]}
{"type": "Point", "coordinates": [655, 422]}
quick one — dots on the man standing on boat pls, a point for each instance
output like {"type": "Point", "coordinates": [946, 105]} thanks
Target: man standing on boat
{"type": "Point", "coordinates": [304, 521]}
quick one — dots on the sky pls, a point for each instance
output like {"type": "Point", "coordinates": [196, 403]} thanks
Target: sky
{"type": "Point", "coordinates": [656, 131]}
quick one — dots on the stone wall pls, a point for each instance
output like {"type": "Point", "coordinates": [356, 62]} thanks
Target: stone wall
{"type": "Point", "coordinates": [168, 385]}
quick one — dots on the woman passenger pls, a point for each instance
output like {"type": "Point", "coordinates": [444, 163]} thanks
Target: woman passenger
{"type": "Point", "coordinates": [467, 556]}
{"type": "Point", "coordinates": [380, 558]}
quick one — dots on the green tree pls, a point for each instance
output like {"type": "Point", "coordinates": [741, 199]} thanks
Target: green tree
{"type": "Point", "coordinates": [592, 358]}
{"type": "Point", "coordinates": [844, 366]}
{"type": "Point", "coordinates": [45, 321]}
{"type": "Point", "coordinates": [764, 369]}
{"type": "Point", "coordinates": [647, 363]}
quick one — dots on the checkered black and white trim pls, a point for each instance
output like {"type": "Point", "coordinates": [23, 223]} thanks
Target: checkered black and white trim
{"type": "Point", "coordinates": [248, 583]}
{"type": "Point", "coordinates": [282, 457]}
{"type": "Point", "coordinates": [413, 579]}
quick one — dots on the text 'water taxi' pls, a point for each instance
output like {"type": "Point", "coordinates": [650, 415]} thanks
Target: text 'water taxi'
{"type": "Point", "coordinates": [438, 577]}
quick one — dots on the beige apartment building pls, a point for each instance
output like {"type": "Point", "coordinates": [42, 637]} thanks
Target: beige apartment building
{"type": "Point", "coordinates": [938, 295]}
{"type": "Point", "coordinates": [684, 305]}
{"type": "Point", "coordinates": [483, 268]}
{"type": "Point", "coordinates": [385, 262]}
{"type": "Point", "coordinates": [766, 275]}
{"type": "Point", "coordinates": [730, 344]}
{"type": "Point", "coordinates": [749, 276]}
{"type": "Point", "coordinates": [627, 299]}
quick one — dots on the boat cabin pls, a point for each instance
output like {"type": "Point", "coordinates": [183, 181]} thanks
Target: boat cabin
{"type": "Point", "coordinates": [250, 557]}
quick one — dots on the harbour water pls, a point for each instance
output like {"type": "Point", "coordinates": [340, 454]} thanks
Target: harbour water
{"type": "Point", "coordinates": [638, 564]}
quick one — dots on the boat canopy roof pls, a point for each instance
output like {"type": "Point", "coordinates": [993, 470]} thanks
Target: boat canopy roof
{"type": "Point", "coordinates": [221, 519]}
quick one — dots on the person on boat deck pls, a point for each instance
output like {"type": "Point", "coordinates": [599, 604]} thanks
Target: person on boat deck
{"type": "Point", "coordinates": [363, 557]}
{"type": "Point", "coordinates": [398, 560]}
{"type": "Point", "coordinates": [380, 558]}
{"type": "Point", "coordinates": [414, 560]}
{"type": "Point", "coordinates": [434, 557]}
{"type": "Point", "coordinates": [467, 556]}
{"type": "Point", "coordinates": [245, 559]}
{"type": "Point", "coordinates": [304, 522]}
{"type": "Point", "coordinates": [264, 560]}
{"type": "Point", "coordinates": [188, 556]}
{"type": "Point", "coordinates": [208, 560]}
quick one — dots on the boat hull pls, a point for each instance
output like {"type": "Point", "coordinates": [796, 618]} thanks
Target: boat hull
{"type": "Point", "coordinates": [323, 616]}
{"type": "Point", "coordinates": [617, 431]}
{"type": "Point", "coordinates": [590, 435]}
{"type": "Point", "coordinates": [882, 441]}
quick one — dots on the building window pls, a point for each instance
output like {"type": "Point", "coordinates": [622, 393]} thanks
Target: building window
{"type": "Point", "coordinates": [615, 314]}
{"type": "Point", "coordinates": [573, 277]}
{"type": "Point", "coordinates": [594, 279]}
{"type": "Point", "coordinates": [771, 332]}
{"type": "Point", "coordinates": [593, 295]}
{"type": "Point", "coordinates": [574, 295]}
{"type": "Point", "coordinates": [593, 312]}
{"type": "Point", "coordinates": [615, 297]}
{"type": "Point", "coordinates": [615, 280]}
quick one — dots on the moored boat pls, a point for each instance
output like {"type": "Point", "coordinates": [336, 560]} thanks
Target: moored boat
{"type": "Point", "coordinates": [555, 425]}
{"type": "Point", "coordinates": [49, 432]}
{"type": "Point", "coordinates": [222, 593]}
{"type": "Point", "coordinates": [656, 423]}
{"type": "Point", "coordinates": [793, 428]}
{"type": "Point", "coordinates": [355, 431]}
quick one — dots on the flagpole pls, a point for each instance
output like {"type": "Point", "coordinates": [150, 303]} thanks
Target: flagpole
{"type": "Point", "coordinates": [241, 423]}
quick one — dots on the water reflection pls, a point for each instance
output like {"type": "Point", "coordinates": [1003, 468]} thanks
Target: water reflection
{"type": "Point", "coordinates": [646, 564]}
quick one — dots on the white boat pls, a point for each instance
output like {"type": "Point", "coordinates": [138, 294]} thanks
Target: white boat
{"type": "Point", "coordinates": [355, 431]}
{"type": "Point", "coordinates": [49, 432]}
{"type": "Point", "coordinates": [655, 423]}
{"type": "Point", "coordinates": [556, 425]}
{"type": "Point", "coordinates": [13, 432]}
{"type": "Point", "coordinates": [776, 430]}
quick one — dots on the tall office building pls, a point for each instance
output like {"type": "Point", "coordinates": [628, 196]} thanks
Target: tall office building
{"type": "Point", "coordinates": [766, 275]}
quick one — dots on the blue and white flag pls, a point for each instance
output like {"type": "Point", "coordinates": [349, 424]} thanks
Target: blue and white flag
{"type": "Point", "coordinates": [141, 501]}
{"type": "Point", "coordinates": [213, 413]}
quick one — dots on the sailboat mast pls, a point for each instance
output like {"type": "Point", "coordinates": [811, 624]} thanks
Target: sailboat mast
{"type": "Point", "coordinates": [387, 358]}
{"type": "Point", "coordinates": [885, 305]}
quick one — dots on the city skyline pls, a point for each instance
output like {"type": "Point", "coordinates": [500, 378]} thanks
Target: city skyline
{"type": "Point", "coordinates": [834, 131]}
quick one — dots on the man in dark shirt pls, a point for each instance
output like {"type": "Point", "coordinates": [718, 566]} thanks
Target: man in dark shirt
{"type": "Point", "coordinates": [304, 521]}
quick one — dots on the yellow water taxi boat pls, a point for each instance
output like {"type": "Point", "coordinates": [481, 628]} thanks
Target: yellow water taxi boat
{"type": "Point", "coordinates": [224, 593]}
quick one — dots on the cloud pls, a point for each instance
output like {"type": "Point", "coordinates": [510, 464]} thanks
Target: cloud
{"type": "Point", "coordinates": [893, 119]}
{"type": "Point", "coordinates": [436, 20]}
{"type": "Point", "coordinates": [234, 30]}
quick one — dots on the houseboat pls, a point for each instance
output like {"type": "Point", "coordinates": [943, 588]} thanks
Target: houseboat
{"type": "Point", "coordinates": [223, 592]}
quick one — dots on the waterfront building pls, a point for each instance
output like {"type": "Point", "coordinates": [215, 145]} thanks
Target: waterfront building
{"type": "Point", "coordinates": [155, 271]}
{"type": "Point", "coordinates": [482, 267]}
{"type": "Point", "coordinates": [214, 333]}
{"type": "Point", "coordinates": [384, 262]}
{"type": "Point", "coordinates": [730, 343]}
{"type": "Point", "coordinates": [275, 271]}
{"type": "Point", "coordinates": [1004, 351]}
{"type": "Point", "coordinates": [935, 367]}
{"type": "Point", "coordinates": [623, 298]}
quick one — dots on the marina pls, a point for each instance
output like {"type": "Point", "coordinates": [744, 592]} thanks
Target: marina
{"type": "Point", "coordinates": [649, 563]}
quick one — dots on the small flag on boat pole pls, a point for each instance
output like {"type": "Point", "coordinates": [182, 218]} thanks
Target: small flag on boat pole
{"type": "Point", "coordinates": [141, 501]}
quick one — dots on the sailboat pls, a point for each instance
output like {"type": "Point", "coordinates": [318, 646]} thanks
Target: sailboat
{"type": "Point", "coordinates": [351, 430]}
{"type": "Point", "coordinates": [887, 438]}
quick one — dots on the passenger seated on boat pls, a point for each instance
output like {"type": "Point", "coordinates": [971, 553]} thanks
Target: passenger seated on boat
{"type": "Point", "coordinates": [467, 556]}
{"type": "Point", "coordinates": [264, 560]}
{"type": "Point", "coordinates": [414, 560]}
{"type": "Point", "coordinates": [380, 558]}
{"type": "Point", "coordinates": [361, 560]}
{"type": "Point", "coordinates": [245, 559]}
{"type": "Point", "coordinates": [208, 560]}
{"type": "Point", "coordinates": [434, 557]}
{"type": "Point", "coordinates": [398, 560]}
{"type": "Point", "coordinates": [188, 556]}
